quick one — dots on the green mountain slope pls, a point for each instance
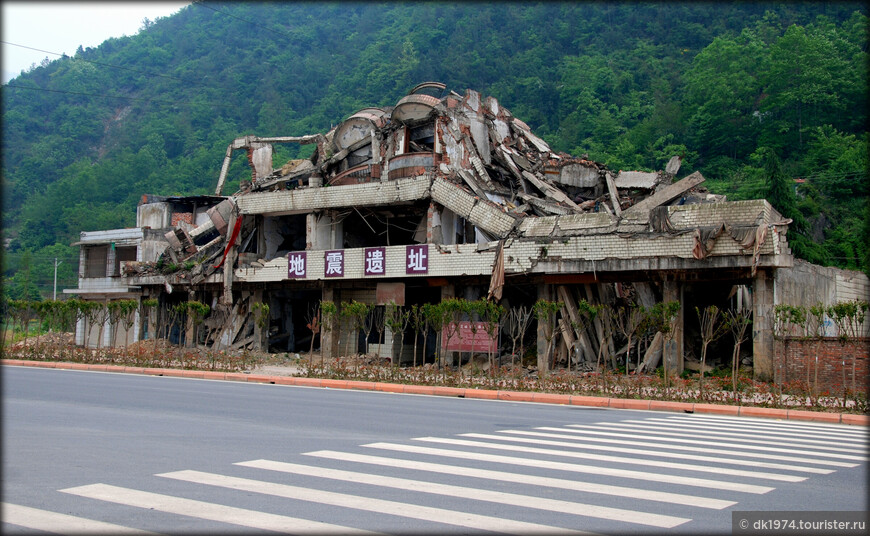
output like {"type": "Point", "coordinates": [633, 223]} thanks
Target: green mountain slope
{"type": "Point", "coordinates": [628, 84]}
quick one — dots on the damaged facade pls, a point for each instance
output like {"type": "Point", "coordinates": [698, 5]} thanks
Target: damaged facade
{"type": "Point", "coordinates": [444, 195]}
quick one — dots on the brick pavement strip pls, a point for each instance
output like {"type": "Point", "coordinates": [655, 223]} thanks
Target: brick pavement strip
{"type": "Point", "coordinates": [486, 394]}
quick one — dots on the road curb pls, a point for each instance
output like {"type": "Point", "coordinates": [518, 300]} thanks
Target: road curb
{"type": "Point", "coordinates": [458, 392]}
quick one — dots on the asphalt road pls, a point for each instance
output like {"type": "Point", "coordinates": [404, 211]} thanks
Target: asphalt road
{"type": "Point", "coordinates": [113, 452]}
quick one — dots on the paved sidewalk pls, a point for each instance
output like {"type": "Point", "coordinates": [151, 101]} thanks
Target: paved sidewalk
{"type": "Point", "coordinates": [512, 396]}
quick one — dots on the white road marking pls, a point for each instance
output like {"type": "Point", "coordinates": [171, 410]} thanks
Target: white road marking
{"type": "Point", "coordinates": [670, 444]}
{"type": "Point", "coordinates": [770, 423]}
{"type": "Point", "coordinates": [681, 438]}
{"type": "Point", "coordinates": [591, 469]}
{"type": "Point", "coordinates": [531, 480]}
{"type": "Point", "coordinates": [368, 504]}
{"type": "Point", "coordinates": [772, 431]}
{"type": "Point", "coordinates": [741, 438]}
{"type": "Point", "coordinates": [55, 523]}
{"type": "Point", "coordinates": [526, 501]}
{"type": "Point", "coordinates": [658, 453]}
{"type": "Point", "coordinates": [615, 459]}
{"type": "Point", "coordinates": [212, 512]}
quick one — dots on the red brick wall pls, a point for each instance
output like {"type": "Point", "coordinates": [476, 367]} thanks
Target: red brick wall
{"type": "Point", "coordinates": [186, 217]}
{"type": "Point", "coordinates": [793, 357]}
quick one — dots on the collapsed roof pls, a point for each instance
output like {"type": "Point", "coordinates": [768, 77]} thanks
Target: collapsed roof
{"type": "Point", "coordinates": [463, 152]}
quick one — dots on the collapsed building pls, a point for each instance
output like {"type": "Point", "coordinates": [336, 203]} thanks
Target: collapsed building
{"type": "Point", "coordinates": [441, 195]}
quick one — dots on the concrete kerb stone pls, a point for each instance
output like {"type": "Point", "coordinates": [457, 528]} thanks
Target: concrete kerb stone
{"type": "Point", "coordinates": [334, 384]}
{"type": "Point", "coordinates": [390, 387]}
{"type": "Point", "coordinates": [213, 375]}
{"type": "Point", "coordinates": [768, 413]}
{"type": "Point", "coordinates": [716, 409]}
{"type": "Point", "coordinates": [418, 389]}
{"type": "Point", "coordinates": [628, 403]}
{"type": "Point", "coordinates": [515, 396]}
{"type": "Point", "coordinates": [591, 401]}
{"type": "Point", "coordinates": [485, 394]}
{"type": "Point", "coordinates": [362, 386]}
{"type": "Point", "coordinates": [551, 398]}
{"type": "Point", "coordinates": [857, 420]}
{"type": "Point", "coordinates": [303, 382]}
{"type": "Point", "coordinates": [816, 416]}
{"type": "Point", "coordinates": [260, 378]}
{"type": "Point", "coordinates": [663, 405]}
{"type": "Point", "coordinates": [449, 391]}
{"type": "Point", "coordinates": [236, 376]}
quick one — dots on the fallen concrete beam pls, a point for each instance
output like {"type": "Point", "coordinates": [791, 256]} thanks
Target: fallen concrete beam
{"type": "Point", "coordinates": [550, 207]}
{"type": "Point", "coordinates": [304, 200]}
{"type": "Point", "coordinates": [481, 212]}
{"type": "Point", "coordinates": [550, 191]}
{"type": "Point", "coordinates": [636, 179]}
{"type": "Point", "coordinates": [666, 194]}
{"type": "Point", "coordinates": [614, 194]}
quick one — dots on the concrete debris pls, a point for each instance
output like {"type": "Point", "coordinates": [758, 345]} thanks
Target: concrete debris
{"type": "Point", "coordinates": [442, 195]}
{"type": "Point", "coordinates": [489, 157]}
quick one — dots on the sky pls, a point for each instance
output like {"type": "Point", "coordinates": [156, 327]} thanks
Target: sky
{"type": "Point", "coordinates": [60, 27]}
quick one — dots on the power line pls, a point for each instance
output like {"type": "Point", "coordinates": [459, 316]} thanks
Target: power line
{"type": "Point", "coordinates": [96, 62]}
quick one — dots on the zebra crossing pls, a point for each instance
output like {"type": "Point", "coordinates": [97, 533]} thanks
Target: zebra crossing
{"type": "Point", "coordinates": [648, 474]}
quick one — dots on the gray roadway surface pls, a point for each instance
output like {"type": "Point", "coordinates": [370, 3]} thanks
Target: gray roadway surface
{"type": "Point", "coordinates": [63, 429]}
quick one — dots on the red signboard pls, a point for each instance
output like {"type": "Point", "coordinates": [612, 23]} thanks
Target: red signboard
{"type": "Point", "coordinates": [461, 339]}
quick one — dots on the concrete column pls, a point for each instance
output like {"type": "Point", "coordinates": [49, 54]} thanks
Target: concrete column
{"type": "Point", "coordinates": [110, 260]}
{"type": "Point", "coordinates": [762, 327]}
{"type": "Point", "coordinates": [329, 334]}
{"type": "Point", "coordinates": [447, 292]}
{"type": "Point", "coordinates": [230, 262]}
{"type": "Point", "coordinates": [318, 229]}
{"type": "Point", "coordinates": [261, 336]}
{"type": "Point", "coordinates": [433, 225]}
{"type": "Point", "coordinates": [673, 291]}
{"type": "Point", "coordinates": [152, 320]}
{"type": "Point", "coordinates": [261, 235]}
{"type": "Point", "coordinates": [337, 229]}
{"type": "Point", "coordinates": [544, 293]}
{"type": "Point", "coordinates": [188, 328]}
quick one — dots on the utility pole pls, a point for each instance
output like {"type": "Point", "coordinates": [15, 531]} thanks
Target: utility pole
{"type": "Point", "coordinates": [56, 264]}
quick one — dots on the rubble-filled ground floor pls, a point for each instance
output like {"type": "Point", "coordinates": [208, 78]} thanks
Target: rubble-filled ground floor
{"type": "Point", "coordinates": [592, 320]}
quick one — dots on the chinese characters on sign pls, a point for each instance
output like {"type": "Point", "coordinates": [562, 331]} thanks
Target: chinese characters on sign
{"type": "Point", "coordinates": [334, 264]}
{"type": "Point", "coordinates": [296, 265]}
{"type": "Point", "coordinates": [374, 261]}
{"type": "Point", "coordinates": [417, 259]}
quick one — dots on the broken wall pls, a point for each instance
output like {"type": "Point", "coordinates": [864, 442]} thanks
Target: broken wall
{"type": "Point", "coordinates": [807, 284]}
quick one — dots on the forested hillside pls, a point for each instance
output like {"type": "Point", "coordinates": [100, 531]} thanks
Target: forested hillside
{"type": "Point", "coordinates": [766, 100]}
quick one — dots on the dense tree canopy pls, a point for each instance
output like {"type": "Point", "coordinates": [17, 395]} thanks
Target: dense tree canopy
{"type": "Point", "coordinates": [728, 86]}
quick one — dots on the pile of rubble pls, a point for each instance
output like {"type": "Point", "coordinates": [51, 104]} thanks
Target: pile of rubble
{"type": "Point", "coordinates": [468, 143]}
